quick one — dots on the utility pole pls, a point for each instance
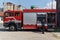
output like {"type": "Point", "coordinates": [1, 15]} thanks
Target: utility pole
{"type": "Point", "coordinates": [52, 5]}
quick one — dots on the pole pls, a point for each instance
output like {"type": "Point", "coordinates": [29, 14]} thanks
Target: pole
{"type": "Point", "coordinates": [52, 5]}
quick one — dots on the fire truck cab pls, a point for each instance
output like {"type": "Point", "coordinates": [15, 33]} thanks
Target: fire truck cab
{"type": "Point", "coordinates": [30, 19]}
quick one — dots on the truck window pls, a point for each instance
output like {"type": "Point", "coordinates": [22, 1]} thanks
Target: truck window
{"type": "Point", "coordinates": [17, 13]}
{"type": "Point", "coordinates": [9, 14]}
{"type": "Point", "coordinates": [6, 14]}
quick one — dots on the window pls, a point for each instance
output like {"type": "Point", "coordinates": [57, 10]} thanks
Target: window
{"type": "Point", "coordinates": [9, 14]}
{"type": "Point", "coordinates": [17, 14]}
{"type": "Point", "coordinates": [6, 14]}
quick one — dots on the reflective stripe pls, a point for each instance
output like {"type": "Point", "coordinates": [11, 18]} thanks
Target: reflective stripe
{"type": "Point", "coordinates": [46, 25]}
{"type": "Point", "coordinates": [39, 24]}
{"type": "Point", "coordinates": [16, 21]}
{"type": "Point", "coordinates": [29, 24]}
{"type": "Point", "coordinates": [11, 17]}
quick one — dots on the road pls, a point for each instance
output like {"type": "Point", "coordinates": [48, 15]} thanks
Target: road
{"type": "Point", "coordinates": [25, 35]}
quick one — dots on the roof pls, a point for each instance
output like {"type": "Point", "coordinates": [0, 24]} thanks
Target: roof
{"type": "Point", "coordinates": [1, 13]}
{"type": "Point", "coordinates": [9, 3]}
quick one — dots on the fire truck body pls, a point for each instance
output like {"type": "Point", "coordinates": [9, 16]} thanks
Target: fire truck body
{"type": "Point", "coordinates": [39, 15]}
{"type": "Point", "coordinates": [27, 19]}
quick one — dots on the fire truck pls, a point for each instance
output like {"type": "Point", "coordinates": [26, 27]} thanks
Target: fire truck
{"type": "Point", "coordinates": [30, 19]}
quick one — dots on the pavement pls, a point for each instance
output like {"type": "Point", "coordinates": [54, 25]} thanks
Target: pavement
{"type": "Point", "coordinates": [56, 34]}
{"type": "Point", "coordinates": [27, 35]}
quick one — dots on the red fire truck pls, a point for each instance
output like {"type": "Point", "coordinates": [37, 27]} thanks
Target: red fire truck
{"type": "Point", "coordinates": [30, 19]}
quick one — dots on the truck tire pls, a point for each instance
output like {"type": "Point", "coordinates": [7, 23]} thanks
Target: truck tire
{"type": "Point", "coordinates": [12, 28]}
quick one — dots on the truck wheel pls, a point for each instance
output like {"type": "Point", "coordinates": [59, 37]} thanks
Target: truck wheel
{"type": "Point", "coordinates": [12, 28]}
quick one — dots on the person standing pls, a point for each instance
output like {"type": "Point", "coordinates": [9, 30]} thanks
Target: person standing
{"type": "Point", "coordinates": [43, 26]}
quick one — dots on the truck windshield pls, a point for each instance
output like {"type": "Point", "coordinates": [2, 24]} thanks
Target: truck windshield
{"type": "Point", "coordinates": [17, 14]}
{"type": "Point", "coordinates": [8, 14]}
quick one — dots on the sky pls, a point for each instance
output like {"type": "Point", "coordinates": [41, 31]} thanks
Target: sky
{"type": "Point", "coordinates": [29, 3]}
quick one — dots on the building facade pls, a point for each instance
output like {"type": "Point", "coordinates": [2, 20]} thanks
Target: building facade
{"type": "Point", "coordinates": [1, 17]}
{"type": "Point", "coordinates": [58, 12]}
{"type": "Point", "coordinates": [11, 6]}
{"type": "Point", "coordinates": [8, 6]}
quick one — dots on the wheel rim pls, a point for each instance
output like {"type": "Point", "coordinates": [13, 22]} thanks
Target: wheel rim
{"type": "Point", "coordinates": [12, 28]}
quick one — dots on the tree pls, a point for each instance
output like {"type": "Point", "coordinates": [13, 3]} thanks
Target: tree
{"type": "Point", "coordinates": [32, 7]}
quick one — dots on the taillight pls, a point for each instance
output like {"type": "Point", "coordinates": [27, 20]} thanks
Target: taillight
{"type": "Point", "coordinates": [39, 24]}
{"type": "Point", "coordinates": [45, 24]}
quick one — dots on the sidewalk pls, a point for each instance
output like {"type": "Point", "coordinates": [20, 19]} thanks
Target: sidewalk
{"type": "Point", "coordinates": [56, 34]}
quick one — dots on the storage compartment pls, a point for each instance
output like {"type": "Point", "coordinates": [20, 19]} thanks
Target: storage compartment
{"type": "Point", "coordinates": [29, 21]}
{"type": "Point", "coordinates": [29, 18]}
{"type": "Point", "coordinates": [51, 20]}
{"type": "Point", "coordinates": [40, 18]}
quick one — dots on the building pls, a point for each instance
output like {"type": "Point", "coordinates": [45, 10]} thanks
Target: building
{"type": "Point", "coordinates": [1, 17]}
{"type": "Point", "coordinates": [1, 9]}
{"type": "Point", "coordinates": [11, 6]}
{"type": "Point", "coordinates": [58, 12]}
{"type": "Point", "coordinates": [8, 6]}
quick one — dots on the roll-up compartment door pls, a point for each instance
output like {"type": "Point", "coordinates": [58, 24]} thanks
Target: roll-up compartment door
{"type": "Point", "coordinates": [29, 18]}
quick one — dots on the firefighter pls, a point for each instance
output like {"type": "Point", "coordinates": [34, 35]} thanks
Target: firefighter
{"type": "Point", "coordinates": [43, 26]}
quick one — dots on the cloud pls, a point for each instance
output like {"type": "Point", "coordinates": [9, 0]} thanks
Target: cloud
{"type": "Point", "coordinates": [49, 5]}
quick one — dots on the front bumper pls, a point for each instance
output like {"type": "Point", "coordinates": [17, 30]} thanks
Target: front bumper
{"type": "Point", "coordinates": [5, 24]}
